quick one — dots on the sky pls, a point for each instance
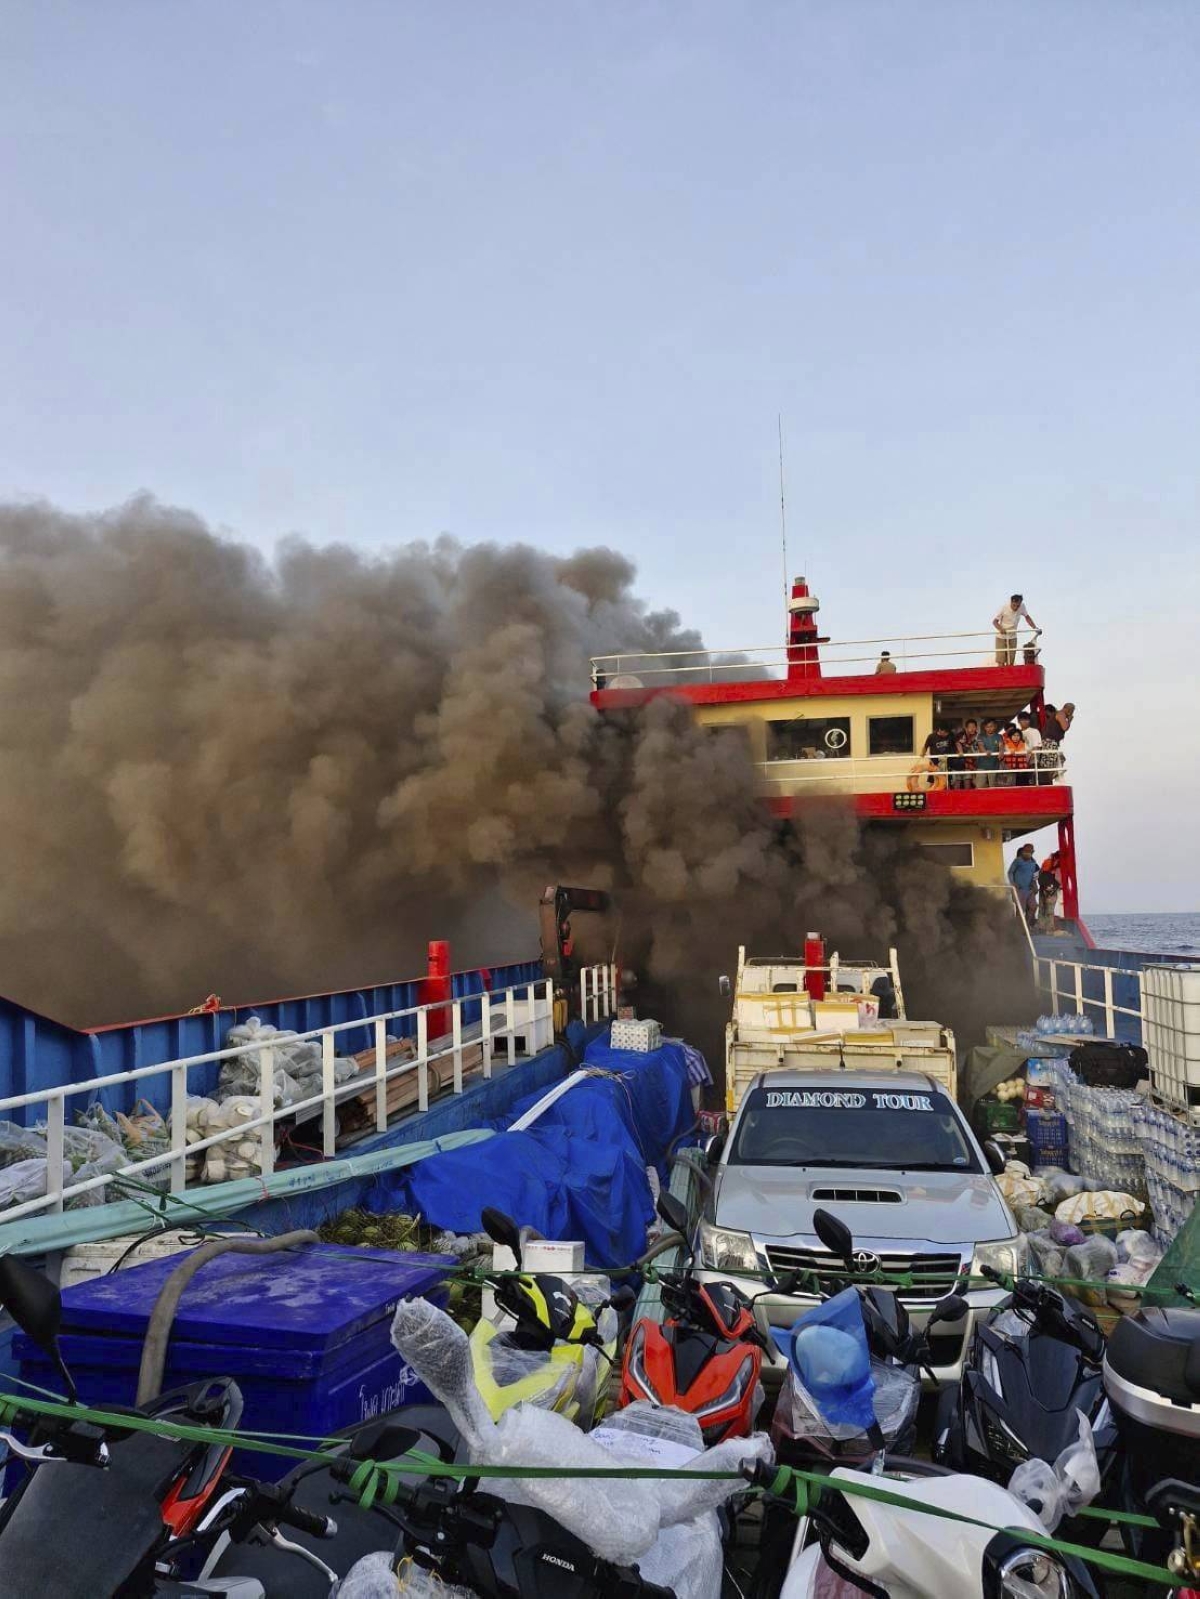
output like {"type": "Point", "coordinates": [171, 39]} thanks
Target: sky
{"type": "Point", "coordinates": [378, 271]}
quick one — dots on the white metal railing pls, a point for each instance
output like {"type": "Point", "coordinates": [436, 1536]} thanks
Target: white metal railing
{"type": "Point", "coordinates": [838, 657]}
{"type": "Point", "coordinates": [875, 774]}
{"type": "Point", "coordinates": [525, 1009]}
{"type": "Point", "coordinates": [597, 992]}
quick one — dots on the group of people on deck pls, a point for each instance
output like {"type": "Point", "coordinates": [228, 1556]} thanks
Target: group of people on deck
{"type": "Point", "coordinates": [991, 754]}
{"type": "Point", "coordinates": [1037, 887]}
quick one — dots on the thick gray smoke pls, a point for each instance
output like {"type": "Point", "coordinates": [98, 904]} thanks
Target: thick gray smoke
{"type": "Point", "coordinates": [249, 777]}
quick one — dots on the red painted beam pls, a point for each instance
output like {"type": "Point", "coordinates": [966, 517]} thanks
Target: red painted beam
{"type": "Point", "coordinates": [969, 804]}
{"type": "Point", "coordinates": [1023, 681]}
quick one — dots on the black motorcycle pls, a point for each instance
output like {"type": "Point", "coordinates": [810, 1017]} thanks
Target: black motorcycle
{"type": "Point", "coordinates": [98, 1506]}
{"type": "Point", "coordinates": [495, 1549]}
{"type": "Point", "coordinates": [1033, 1365]}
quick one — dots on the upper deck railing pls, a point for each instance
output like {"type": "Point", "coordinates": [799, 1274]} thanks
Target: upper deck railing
{"type": "Point", "coordinates": [914, 652]}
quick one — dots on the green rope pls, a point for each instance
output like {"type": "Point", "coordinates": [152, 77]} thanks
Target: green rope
{"type": "Point", "coordinates": [378, 1482]}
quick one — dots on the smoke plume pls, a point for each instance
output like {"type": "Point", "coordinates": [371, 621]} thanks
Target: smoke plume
{"type": "Point", "coordinates": [223, 773]}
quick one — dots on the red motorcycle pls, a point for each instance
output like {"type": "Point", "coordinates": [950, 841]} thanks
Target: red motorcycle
{"type": "Point", "coordinates": [706, 1357]}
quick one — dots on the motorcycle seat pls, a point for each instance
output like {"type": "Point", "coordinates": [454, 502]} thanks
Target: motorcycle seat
{"type": "Point", "coordinates": [1159, 1350]}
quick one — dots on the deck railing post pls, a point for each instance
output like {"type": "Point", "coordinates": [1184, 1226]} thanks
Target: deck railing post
{"type": "Point", "coordinates": [266, 1103]}
{"type": "Point", "coordinates": [456, 1036]}
{"type": "Point", "coordinates": [423, 1059]}
{"type": "Point", "coordinates": [1109, 1020]}
{"type": "Point", "coordinates": [56, 1114]}
{"type": "Point", "coordinates": [548, 1035]}
{"type": "Point", "coordinates": [179, 1129]}
{"type": "Point", "coordinates": [485, 1031]}
{"type": "Point", "coordinates": [510, 1023]}
{"type": "Point", "coordinates": [1054, 987]}
{"type": "Point", "coordinates": [583, 995]}
{"type": "Point", "coordinates": [533, 1027]}
{"type": "Point", "coordinates": [381, 1112]}
{"type": "Point", "coordinates": [1078, 989]}
{"type": "Point", "coordinates": [329, 1105]}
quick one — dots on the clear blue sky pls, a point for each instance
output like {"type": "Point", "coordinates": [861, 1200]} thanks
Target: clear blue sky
{"type": "Point", "coordinates": [377, 270]}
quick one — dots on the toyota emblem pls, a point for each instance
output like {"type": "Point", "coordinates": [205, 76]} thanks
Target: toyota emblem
{"type": "Point", "coordinates": [866, 1264]}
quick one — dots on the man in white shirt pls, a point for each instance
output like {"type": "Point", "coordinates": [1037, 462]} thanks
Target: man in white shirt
{"type": "Point", "coordinates": [1006, 621]}
{"type": "Point", "coordinates": [1033, 744]}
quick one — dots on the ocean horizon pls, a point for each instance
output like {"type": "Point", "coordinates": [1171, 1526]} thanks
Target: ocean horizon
{"type": "Point", "coordinates": [1149, 932]}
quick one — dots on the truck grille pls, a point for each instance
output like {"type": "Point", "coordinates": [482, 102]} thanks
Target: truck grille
{"type": "Point", "coordinates": [933, 1275]}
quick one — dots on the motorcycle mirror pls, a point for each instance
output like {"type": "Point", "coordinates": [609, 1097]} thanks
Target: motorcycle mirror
{"type": "Point", "coordinates": [383, 1439]}
{"type": "Point", "coordinates": [672, 1211]}
{"type": "Point", "coordinates": [502, 1229]}
{"type": "Point", "coordinates": [35, 1304]}
{"type": "Point", "coordinates": [623, 1299]}
{"type": "Point", "coordinates": [834, 1234]}
{"type": "Point", "coordinates": [953, 1308]}
{"type": "Point", "coordinates": [724, 986]}
{"type": "Point", "coordinates": [995, 1157]}
{"type": "Point", "coordinates": [714, 1149]}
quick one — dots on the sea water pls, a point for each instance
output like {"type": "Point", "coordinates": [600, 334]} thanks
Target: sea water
{"type": "Point", "coordinates": [1156, 933]}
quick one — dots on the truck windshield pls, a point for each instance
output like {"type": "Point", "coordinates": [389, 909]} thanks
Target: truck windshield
{"type": "Point", "coordinates": [871, 1128]}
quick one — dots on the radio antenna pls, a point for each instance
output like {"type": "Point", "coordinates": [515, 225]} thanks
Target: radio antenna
{"type": "Point", "coordinates": [783, 521]}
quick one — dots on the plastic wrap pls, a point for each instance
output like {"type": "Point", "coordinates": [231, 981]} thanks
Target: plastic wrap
{"type": "Point", "coordinates": [1020, 1190]}
{"type": "Point", "coordinates": [297, 1063]}
{"type": "Point", "coordinates": [1092, 1259]}
{"type": "Point", "coordinates": [826, 1350]}
{"type": "Point", "coordinates": [1062, 1185]}
{"type": "Point", "coordinates": [621, 1520]}
{"type": "Point", "coordinates": [1030, 1219]}
{"type": "Point", "coordinates": [895, 1399]}
{"type": "Point", "coordinates": [1135, 1245]}
{"type": "Point", "coordinates": [26, 1179]}
{"type": "Point", "coordinates": [1061, 1489]}
{"type": "Point", "coordinates": [20, 1144]}
{"type": "Point", "coordinates": [1047, 1254]}
{"type": "Point", "coordinates": [1065, 1233]}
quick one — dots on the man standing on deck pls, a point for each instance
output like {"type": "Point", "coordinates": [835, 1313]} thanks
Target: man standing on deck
{"type": "Point", "coordinates": [1006, 622]}
{"type": "Point", "coordinates": [1023, 875]}
{"type": "Point", "coordinates": [886, 664]}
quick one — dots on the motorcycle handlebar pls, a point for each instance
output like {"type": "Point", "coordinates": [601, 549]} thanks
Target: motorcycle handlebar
{"type": "Point", "coordinates": [307, 1521]}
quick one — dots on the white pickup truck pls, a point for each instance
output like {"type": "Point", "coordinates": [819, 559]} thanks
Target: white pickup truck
{"type": "Point", "coordinates": [858, 1025]}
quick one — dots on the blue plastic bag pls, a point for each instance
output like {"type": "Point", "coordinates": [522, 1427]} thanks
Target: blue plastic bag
{"type": "Point", "coordinates": [827, 1347]}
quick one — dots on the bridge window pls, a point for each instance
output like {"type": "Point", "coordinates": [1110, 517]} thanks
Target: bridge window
{"type": "Point", "coordinates": [809, 738]}
{"type": "Point", "coordinates": [950, 854]}
{"type": "Point", "coordinates": [890, 735]}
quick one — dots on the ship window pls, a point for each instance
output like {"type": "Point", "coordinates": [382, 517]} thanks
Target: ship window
{"type": "Point", "coordinates": [809, 738]}
{"type": "Point", "coordinates": [951, 854]}
{"type": "Point", "coordinates": [890, 735]}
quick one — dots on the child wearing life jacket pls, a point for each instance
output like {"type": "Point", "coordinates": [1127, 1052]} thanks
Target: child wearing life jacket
{"type": "Point", "coordinates": [1014, 757]}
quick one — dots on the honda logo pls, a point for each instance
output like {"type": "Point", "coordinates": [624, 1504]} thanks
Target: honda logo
{"type": "Point", "coordinates": [865, 1263]}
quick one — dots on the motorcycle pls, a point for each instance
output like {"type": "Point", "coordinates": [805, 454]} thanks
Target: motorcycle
{"type": "Point", "coordinates": [496, 1549]}
{"type": "Point", "coordinates": [706, 1356]}
{"type": "Point", "coordinates": [856, 1546]}
{"type": "Point", "coordinates": [1033, 1366]}
{"type": "Point", "coordinates": [800, 1431]}
{"type": "Point", "coordinates": [1152, 1379]}
{"type": "Point", "coordinates": [553, 1354]}
{"type": "Point", "coordinates": [100, 1505]}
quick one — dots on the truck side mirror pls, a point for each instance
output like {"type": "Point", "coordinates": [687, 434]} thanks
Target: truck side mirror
{"type": "Point", "coordinates": [725, 987]}
{"type": "Point", "coordinates": [714, 1149]}
{"type": "Point", "coordinates": [995, 1157]}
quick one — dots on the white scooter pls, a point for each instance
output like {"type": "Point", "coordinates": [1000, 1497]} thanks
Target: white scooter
{"type": "Point", "coordinates": [851, 1547]}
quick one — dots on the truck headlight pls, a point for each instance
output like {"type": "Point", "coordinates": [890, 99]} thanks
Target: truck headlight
{"type": "Point", "coordinates": [1031, 1572]}
{"type": "Point", "coordinates": [722, 1250]}
{"type": "Point", "coordinates": [1009, 1255]}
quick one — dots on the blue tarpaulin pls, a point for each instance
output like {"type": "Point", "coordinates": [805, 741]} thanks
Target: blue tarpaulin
{"type": "Point", "coordinates": [578, 1172]}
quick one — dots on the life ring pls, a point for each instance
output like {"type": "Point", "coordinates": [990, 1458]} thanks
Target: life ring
{"type": "Point", "coordinates": [925, 778]}
{"type": "Point", "coordinates": [835, 738]}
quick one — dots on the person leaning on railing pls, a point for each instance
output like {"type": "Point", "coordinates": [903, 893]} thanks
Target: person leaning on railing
{"type": "Point", "coordinates": [1006, 621]}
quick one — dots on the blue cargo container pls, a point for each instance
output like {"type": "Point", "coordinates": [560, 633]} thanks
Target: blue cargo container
{"type": "Point", "coordinates": [305, 1334]}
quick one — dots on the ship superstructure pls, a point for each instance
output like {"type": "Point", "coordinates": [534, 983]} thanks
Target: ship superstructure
{"type": "Point", "coordinates": [824, 719]}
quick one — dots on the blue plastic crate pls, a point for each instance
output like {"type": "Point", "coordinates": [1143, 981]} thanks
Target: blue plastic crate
{"type": "Point", "coordinates": [305, 1334]}
{"type": "Point", "coordinates": [1046, 1131]}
